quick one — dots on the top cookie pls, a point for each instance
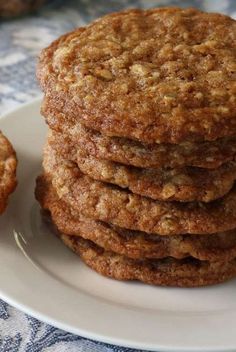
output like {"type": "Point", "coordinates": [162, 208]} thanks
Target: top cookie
{"type": "Point", "coordinates": [159, 75]}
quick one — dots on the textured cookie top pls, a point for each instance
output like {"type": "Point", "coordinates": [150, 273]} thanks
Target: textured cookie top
{"type": "Point", "coordinates": [160, 75]}
{"type": "Point", "coordinates": [7, 170]}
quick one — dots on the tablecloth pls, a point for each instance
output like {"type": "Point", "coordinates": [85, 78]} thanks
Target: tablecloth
{"type": "Point", "coordinates": [20, 42]}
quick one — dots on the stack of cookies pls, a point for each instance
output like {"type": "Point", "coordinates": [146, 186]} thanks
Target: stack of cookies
{"type": "Point", "coordinates": [139, 163]}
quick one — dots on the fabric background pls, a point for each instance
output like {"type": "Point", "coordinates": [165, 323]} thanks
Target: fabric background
{"type": "Point", "coordinates": [20, 42]}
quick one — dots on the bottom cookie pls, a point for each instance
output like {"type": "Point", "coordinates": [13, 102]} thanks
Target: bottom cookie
{"type": "Point", "coordinates": [187, 272]}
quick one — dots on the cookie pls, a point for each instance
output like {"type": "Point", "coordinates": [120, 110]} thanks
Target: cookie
{"type": "Point", "coordinates": [133, 244]}
{"type": "Point", "coordinates": [187, 272]}
{"type": "Point", "coordinates": [12, 8]}
{"type": "Point", "coordinates": [162, 75]}
{"type": "Point", "coordinates": [185, 184]}
{"type": "Point", "coordinates": [8, 165]}
{"type": "Point", "coordinates": [208, 155]}
{"type": "Point", "coordinates": [105, 202]}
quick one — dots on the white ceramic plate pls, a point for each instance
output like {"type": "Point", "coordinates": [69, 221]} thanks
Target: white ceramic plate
{"type": "Point", "coordinates": [44, 279]}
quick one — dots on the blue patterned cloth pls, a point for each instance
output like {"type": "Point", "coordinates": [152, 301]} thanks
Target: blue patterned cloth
{"type": "Point", "coordinates": [20, 42]}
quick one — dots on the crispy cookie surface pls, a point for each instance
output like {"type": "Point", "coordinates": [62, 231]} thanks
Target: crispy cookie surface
{"type": "Point", "coordinates": [133, 244]}
{"type": "Point", "coordinates": [182, 184]}
{"type": "Point", "coordinates": [111, 204]}
{"type": "Point", "coordinates": [208, 155]}
{"type": "Point", "coordinates": [187, 272]}
{"type": "Point", "coordinates": [8, 165]}
{"type": "Point", "coordinates": [158, 75]}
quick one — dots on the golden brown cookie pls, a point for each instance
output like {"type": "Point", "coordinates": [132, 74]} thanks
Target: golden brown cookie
{"type": "Point", "coordinates": [111, 204]}
{"type": "Point", "coordinates": [183, 184]}
{"type": "Point", "coordinates": [8, 165]}
{"type": "Point", "coordinates": [158, 75]}
{"type": "Point", "coordinates": [208, 155]}
{"type": "Point", "coordinates": [187, 272]}
{"type": "Point", "coordinates": [133, 244]}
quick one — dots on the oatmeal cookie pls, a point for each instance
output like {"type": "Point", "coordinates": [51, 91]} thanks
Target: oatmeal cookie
{"type": "Point", "coordinates": [164, 75]}
{"type": "Point", "coordinates": [208, 155]}
{"type": "Point", "coordinates": [8, 165]}
{"type": "Point", "coordinates": [133, 244]}
{"type": "Point", "coordinates": [112, 204]}
{"type": "Point", "coordinates": [183, 184]}
{"type": "Point", "coordinates": [187, 272]}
